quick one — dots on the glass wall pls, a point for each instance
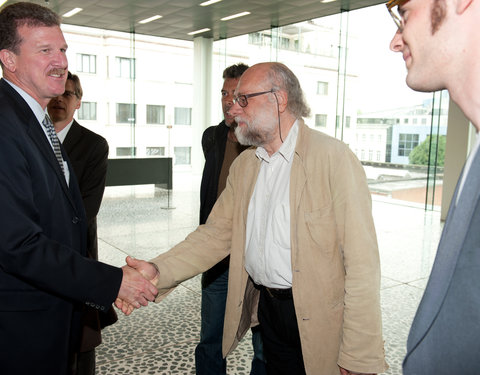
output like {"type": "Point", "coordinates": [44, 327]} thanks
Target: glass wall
{"type": "Point", "coordinates": [356, 89]}
{"type": "Point", "coordinates": [138, 93]}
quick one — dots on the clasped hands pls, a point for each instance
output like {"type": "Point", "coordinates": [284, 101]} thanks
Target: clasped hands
{"type": "Point", "coordinates": [138, 285]}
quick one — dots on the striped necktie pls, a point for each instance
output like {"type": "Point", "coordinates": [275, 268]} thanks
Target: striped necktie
{"type": "Point", "coordinates": [54, 139]}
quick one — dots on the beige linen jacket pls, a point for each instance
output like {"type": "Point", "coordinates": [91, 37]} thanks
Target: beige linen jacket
{"type": "Point", "coordinates": [334, 254]}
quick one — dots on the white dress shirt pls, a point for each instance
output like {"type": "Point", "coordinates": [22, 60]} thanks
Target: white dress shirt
{"type": "Point", "coordinates": [268, 248]}
{"type": "Point", "coordinates": [62, 134]}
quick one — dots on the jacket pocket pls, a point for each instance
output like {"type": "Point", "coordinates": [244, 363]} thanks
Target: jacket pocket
{"type": "Point", "coordinates": [322, 228]}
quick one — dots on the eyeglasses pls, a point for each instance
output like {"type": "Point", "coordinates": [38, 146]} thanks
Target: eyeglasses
{"type": "Point", "coordinates": [392, 6]}
{"type": "Point", "coordinates": [68, 94]}
{"type": "Point", "coordinates": [242, 99]}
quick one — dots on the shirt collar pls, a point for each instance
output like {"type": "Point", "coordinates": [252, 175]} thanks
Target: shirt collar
{"type": "Point", "coordinates": [286, 150]}
{"type": "Point", "coordinates": [36, 108]}
{"type": "Point", "coordinates": [63, 133]}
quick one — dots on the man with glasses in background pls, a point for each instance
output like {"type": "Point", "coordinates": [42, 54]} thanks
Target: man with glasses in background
{"type": "Point", "coordinates": [220, 147]}
{"type": "Point", "coordinates": [440, 43]}
{"type": "Point", "coordinates": [88, 154]}
{"type": "Point", "coordinates": [295, 218]}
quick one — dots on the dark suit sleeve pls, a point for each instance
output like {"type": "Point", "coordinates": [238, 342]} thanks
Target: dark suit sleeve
{"type": "Point", "coordinates": [92, 181]}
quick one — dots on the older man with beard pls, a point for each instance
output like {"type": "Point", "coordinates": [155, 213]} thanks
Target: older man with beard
{"type": "Point", "coordinates": [296, 219]}
{"type": "Point", "coordinates": [440, 44]}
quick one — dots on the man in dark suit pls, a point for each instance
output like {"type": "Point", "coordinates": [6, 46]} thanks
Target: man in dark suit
{"type": "Point", "coordinates": [45, 277]}
{"type": "Point", "coordinates": [220, 147]}
{"type": "Point", "coordinates": [440, 44]}
{"type": "Point", "coordinates": [88, 154]}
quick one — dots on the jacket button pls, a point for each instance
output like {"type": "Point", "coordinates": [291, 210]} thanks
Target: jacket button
{"type": "Point", "coordinates": [75, 220]}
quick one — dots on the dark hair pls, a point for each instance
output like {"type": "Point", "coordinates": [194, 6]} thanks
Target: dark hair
{"type": "Point", "coordinates": [23, 14]}
{"type": "Point", "coordinates": [234, 71]}
{"type": "Point", "coordinates": [283, 78]}
{"type": "Point", "coordinates": [76, 84]}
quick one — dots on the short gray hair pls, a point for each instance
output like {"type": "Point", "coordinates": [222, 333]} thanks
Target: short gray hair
{"type": "Point", "coordinates": [283, 78]}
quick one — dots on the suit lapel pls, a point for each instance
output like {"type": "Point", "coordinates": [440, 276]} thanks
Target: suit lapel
{"type": "Point", "coordinates": [449, 250]}
{"type": "Point", "coordinates": [38, 137]}
{"type": "Point", "coordinates": [73, 136]}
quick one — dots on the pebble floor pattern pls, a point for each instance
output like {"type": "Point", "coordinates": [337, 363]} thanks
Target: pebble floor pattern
{"type": "Point", "coordinates": [161, 338]}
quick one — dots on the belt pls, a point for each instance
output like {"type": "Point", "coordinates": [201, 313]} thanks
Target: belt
{"type": "Point", "coordinates": [278, 293]}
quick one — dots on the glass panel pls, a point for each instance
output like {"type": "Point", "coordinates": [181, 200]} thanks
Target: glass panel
{"type": "Point", "coordinates": [87, 111]}
{"type": "Point", "coordinates": [182, 155]}
{"type": "Point", "coordinates": [155, 114]}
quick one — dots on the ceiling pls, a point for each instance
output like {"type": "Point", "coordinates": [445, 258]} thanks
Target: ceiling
{"type": "Point", "coordinates": [179, 17]}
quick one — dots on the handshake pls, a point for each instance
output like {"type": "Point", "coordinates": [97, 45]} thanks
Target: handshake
{"type": "Point", "coordinates": [138, 285]}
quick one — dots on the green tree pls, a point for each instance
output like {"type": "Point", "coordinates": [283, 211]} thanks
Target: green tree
{"type": "Point", "coordinates": [419, 154]}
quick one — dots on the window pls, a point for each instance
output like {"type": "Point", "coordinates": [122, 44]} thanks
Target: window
{"type": "Point", "coordinates": [322, 88]}
{"type": "Point", "coordinates": [414, 121]}
{"type": "Point", "coordinates": [86, 63]}
{"type": "Point", "coordinates": [87, 111]}
{"type": "Point", "coordinates": [380, 138]}
{"type": "Point", "coordinates": [183, 116]}
{"type": "Point", "coordinates": [182, 155]}
{"type": "Point", "coordinates": [126, 151]}
{"type": "Point", "coordinates": [347, 122]}
{"type": "Point", "coordinates": [126, 113]}
{"type": "Point", "coordinates": [155, 114]}
{"type": "Point", "coordinates": [379, 155]}
{"type": "Point", "coordinates": [124, 67]}
{"type": "Point", "coordinates": [321, 120]}
{"type": "Point", "coordinates": [424, 121]}
{"type": "Point", "coordinates": [405, 120]}
{"type": "Point", "coordinates": [406, 143]}
{"type": "Point", "coordinates": [370, 155]}
{"type": "Point", "coordinates": [155, 151]}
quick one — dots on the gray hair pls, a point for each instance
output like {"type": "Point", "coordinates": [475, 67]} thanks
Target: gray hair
{"type": "Point", "coordinates": [283, 78]}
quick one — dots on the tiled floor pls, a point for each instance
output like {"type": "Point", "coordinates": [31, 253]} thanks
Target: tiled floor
{"type": "Point", "coordinates": [161, 338]}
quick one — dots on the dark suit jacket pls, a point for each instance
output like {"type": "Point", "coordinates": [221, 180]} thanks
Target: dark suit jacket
{"type": "Point", "coordinates": [45, 277]}
{"type": "Point", "coordinates": [444, 337]}
{"type": "Point", "coordinates": [88, 154]}
{"type": "Point", "coordinates": [214, 141]}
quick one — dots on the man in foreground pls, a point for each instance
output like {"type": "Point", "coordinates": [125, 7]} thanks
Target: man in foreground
{"type": "Point", "coordinates": [441, 48]}
{"type": "Point", "coordinates": [295, 217]}
{"type": "Point", "coordinates": [45, 277]}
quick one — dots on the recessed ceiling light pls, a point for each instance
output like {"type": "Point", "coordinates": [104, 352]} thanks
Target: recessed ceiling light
{"type": "Point", "coordinates": [209, 2]}
{"type": "Point", "coordinates": [147, 20]}
{"type": "Point", "coordinates": [72, 12]}
{"type": "Point", "coordinates": [198, 31]}
{"type": "Point", "coordinates": [234, 16]}
{"type": "Point", "coordinates": [327, 1]}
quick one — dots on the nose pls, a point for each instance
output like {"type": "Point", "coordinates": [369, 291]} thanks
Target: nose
{"type": "Point", "coordinates": [396, 45]}
{"type": "Point", "coordinates": [235, 109]}
{"type": "Point", "coordinates": [228, 99]}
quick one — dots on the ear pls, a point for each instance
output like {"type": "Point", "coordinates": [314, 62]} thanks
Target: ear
{"type": "Point", "coordinates": [462, 5]}
{"type": "Point", "coordinates": [282, 98]}
{"type": "Point", "coordinates": [79, 103]}
{"type": "Point", "coordinates": [9, 60]}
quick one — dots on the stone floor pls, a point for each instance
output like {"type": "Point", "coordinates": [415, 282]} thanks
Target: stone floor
{"type": "Point", "coordinates": [160, 339]}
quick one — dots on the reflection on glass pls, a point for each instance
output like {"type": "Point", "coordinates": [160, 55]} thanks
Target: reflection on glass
{"type": "Point", "coordinates": [354, 84]}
